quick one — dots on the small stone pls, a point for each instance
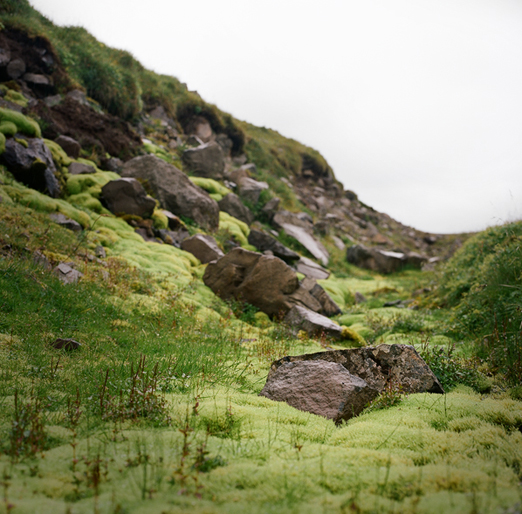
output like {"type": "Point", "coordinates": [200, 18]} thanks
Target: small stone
{"type": "Point", "coordinates": [67, 274]}
{"type": "Point", "coordinates": [78, 168]}
{"type": "Point", "coordinates": [359, 297]}
{"type": "Point", "coordinates": [99, 251]}
{"type": "Point", "coordinates": [66, 344]}
{"type": "Point", "coordinates": [66, 222]}
{"type": "Point", "coordinates": [16, 68]}
{"type": "Point", "coordinates": [36, 79]}
{"type": "Point", "coordinates": [71, 147]}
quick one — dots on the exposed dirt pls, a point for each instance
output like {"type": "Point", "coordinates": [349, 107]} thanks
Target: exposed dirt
{"type": "Point", "coordinates": [102, 132]}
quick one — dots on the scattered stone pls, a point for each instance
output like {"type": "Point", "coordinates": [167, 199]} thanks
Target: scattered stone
{"type": "Point", "coordinates": [359, 297]}
{"type": "Point", "coordinates": [200, 127]}
{"type": "Point", "coordinates": [393, 303]}
{"type": "Point", "coordinates": [379, 366]}
{"type": "Point", "coordinates": [32, 165]}
{"type": "Point", "coordinates": [78, 168]}
{"type": "Point", "coordinates": [308, 241]}
{"type": "Point", "coordinates": [147, 235]}
{"type": "Point", "coordinates": [36, 79]}
{"type": "Point", "coordinates": [261, 280]}
{"type": "Point", "coordinates": [311, 269]}
{"type": "Point", "coordinates": [5, 56]}
{"type": "Point", "coordinates": [263, 242]}
{"type": "Point", "coordinates": [66, 344]}
{"type": "Point", "coordinates": [174, 221]}
{"type": "Point", "coordinates": [174, 190]}
{"type": "Point", "coordinates": [100, 252]}
{"type": "Point", "coordinates": [53, 100]}
{"type": "Point", "coordinates": [315, 324]}
{"type": "Point", "coordinates": [271, 207]}
{"type": "Point", "coordinates": [79, 96]}
{"type": "Point", "coordinates": [238, 175]}
{"type": "Point", "coordinates": [225, 143]}
{"type": "Point", "coordinates": [431, 240]}
{"type": "Point", "coordinates": [65, 222]}
{"type": "Point", "coordinates": [377, 260]}
{"type": "Point", "coordinates": [173, 237]}
{"type": "Point", "coordinates": [328, 307]}
{"type": "Point", "coordinates": [71, 147]}
{"type": "Point", "coordinates": [127, 196]}
{"type": "Point", "coordinates": [113, 164]}
{"type": "Point", "coordinates": [323, 388]}
{"type": "Point", "coordinates": [15, 69]}
{"type": "Point", "coordinates": [416, 260]}
{"type": "Point", "coordinates": [203, 247]}
{"type": "Point", "coordinates": [233, 205]}
{"type": "Point", "coordinates": [193, 141]}
{"type": "Point", "coordinates": [339, 243]}
{"type": "Point", "coordinates": [67, 274]}
{"type": "Point", "coordinates": [206, 160]}
{"type": "Point", "coordinates": [251, 189]}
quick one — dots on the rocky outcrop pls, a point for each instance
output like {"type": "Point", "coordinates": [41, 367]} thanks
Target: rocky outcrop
{"type": "Point", "coordinates": [174, 190]}
{"type": "Point", "coordinates": [328, 307]}
{"type": "Point", "coordinates": [377, 367]}
{"type": "Point", "coordinates": [311, 269]}
{"type": "Point", "coordinates": [263, 242]}
{"type": "Point", "coordinates": [323, 388]}
{"type": "Point", "coordinates": [233, 205]}
{"type": "Point", "coordinates": [202, 247]}
{"type": "Point", "coordinates": [32, 165]}
{"type": "Point", "coordinates": [206, 160]}
{"type": "Point", "coordinates": [127, 196]}
{"type": "Point", "coordinates": [251, 189]}
{"type": "Point", "coordinates": [383, 261]}
{"type": "Point", "coordinates": [308, 241]}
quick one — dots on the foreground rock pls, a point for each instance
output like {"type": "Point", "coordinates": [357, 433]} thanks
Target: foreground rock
{"type": "Point", "coordinates": [127, 196]}
{"type": "Point", "coordinates": [264, 281]}
{"type": "Point", "coordinates": [32, 165]}
{"type": "Point", "coordinates": [375, 367]}
{"type": "Point", "coordinates": [323, 388]}
{"type": "Point", "coordinates": [174, 190]}
{"type": "Point", "coordinates": [202, 247]}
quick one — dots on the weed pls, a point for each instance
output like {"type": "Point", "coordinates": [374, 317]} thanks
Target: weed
{"type": "Point", "coordinates": [391, 395]}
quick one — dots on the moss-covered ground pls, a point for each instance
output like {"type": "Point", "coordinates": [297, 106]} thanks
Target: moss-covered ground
{"type": "Point", "coordinates": [158, 411]}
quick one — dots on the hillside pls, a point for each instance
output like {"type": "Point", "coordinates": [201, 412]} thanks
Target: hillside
{"type": "Point", "coordinates": [166, 271]}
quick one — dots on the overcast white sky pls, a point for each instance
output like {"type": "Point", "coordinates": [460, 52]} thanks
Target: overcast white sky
{"type": "Point", "coordinates": [416, 104]}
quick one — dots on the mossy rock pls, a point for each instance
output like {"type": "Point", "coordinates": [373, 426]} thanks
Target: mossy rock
{"type": "Point", "coordinates": [351, 337]}
{"type": "Point", "coordinates": [211, 186]}
{"type": "Point", "coordinates": [160, 220]}
{"type": "Point", "coordinates": [60, 158]}
{"type": "Point", "coordinates": [8, 128]}
{"type": "Point", "coordinates": [24, 124]}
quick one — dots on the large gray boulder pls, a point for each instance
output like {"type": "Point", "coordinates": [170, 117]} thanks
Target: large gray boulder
{"type": "Point", "coordinates": [323, 388]}
{"type": "Point", "coordinates": [206, 160]}
{"type": "Point", "coordinates": [311, 269]}
{"type": "Point", "coordinates": [263, 242]}
{"type": "Point", "coordinates": [174, 190]}
{"type": "Point", "coordinates": [32, 165]}
{"type": "Point", "coordinates": [398, 365]}
{"type": "Point", "coordinates": [264, 281]}
{"type": "Point", "coordinates": [314, 324]}
{"type": "Point", "coordinates": [375, 259]}
{"type": "Point", "coordinates": [127, 196]}
{"type": "Point", "coordinates": [251, 189]}
{"type": "Point", "coordinates": [233, 205]}
{"type": "Point", "coordinates": [203, 247]}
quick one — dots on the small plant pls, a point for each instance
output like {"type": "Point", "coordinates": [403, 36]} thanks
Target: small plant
{"type": "Point", "coordinates": [392, 395]}
{"type": "Point", "coordinates": [226, 426]}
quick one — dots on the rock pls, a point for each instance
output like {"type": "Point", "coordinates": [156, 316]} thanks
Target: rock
{"type": "Point", "coordinates": [315, 324]}
{"type": "Point", "coordinates": [250, 189]}
{"type": "Point", "coordinates": [225, 143]}
{"type": "Point", "coordinates": [66, 344]}
{"type": "Point", "coordinates": [200, 127]}
{"type": "Point", "coordinates": [33, 166]}
{"type": "Point", "coordinates": [147, 235]}
{"type": "Point", "coordinates": [431, 240]}
{"type": "Point", "coordinates": [78, 168]}
{"type": "Point", "coordinates": [78, 96]}
{"type": "Point", "coordinates": [261, 280]}
{"type": "Point", "coordinates": [359, 297]}
{"type": "Point", "coordinates": [113, 164]}
{"type": "Point", "coordinates": [174, 190]}
{"type": "Point", "coordinates": [328, 307]}
{"type": "Point", "coordinates": [193, 141]}
{"type": "Point", "coordinates": [5, 56]}
{"type": "Point", "coordinates": [15, 69]}
{"type": "Point", "coordinates": [65, 222]}
{"type": "Point", "coordinates": [308, 241]}
{"type": "Point", "coordinates": [203, 247]}
{"type": "Point", "coordinates": [67, 274]}
{"type": "Point", "coordinates": [174, 221]}
{"type": "Point", "coordinates": [206, 160]}
{"type": "Point", "coordinates": [71, 147]}
{"type": "Point", "coordinates": [311, 269]}
{"type": "Point", "coordinates": [127, 196]}
{"type": "Point", "coordinates": [100, 252]}
{"type": "Point", "coordinates": [397, 364]}
{"type": "Point", "coordinates": [173, 237]}
{"type": "Point", "coordinates": [53, 100]}
{"type": "Point", "coordinates": [271, 207]}
{"type": "Point", "coordinates": [377, 260]}
{"type": "Point", "coordinates": [263, 242]}
{"type": "Point", "coordinates": [40, 259]}
{"type": "Point", "coordinates": [36, 79]}
{"type": "Point", "coordinates": [238, 175]}
{"type": "Point", "coordinates": [416, 260]}
{"type": "Point", "coordinates": [320, 387]}
{"type": "Point", "coordinates": [339, 243]}
{"type": "Point", "coordinates": [233, 205]}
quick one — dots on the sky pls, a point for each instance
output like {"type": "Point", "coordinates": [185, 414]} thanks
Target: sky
{"type": "Point", "coordinates": [415, 104]}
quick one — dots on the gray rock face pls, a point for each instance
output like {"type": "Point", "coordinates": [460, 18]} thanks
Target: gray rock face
{"type": "Point", "coordinates": [67, 274]}
{"type": "Point", "coordinates": [174, 190]}
{"type": "Point", "coordinates": [323, 388]}
{"type": "Point", "coordinates": [376, 367]}
{"type": "Point", "coordinates": [127, 196]}
{"type": "Point", "coordinates": [328, 307]}
{"type": "Point", "coordinates": [381, 261]}
{"type": "Point", "coordinates": [271, 207]}
{"type": "Point", "coordinates": [5, 56]}
{"type": "Point", "coordinates": [233, 205]}
{"type": "Point", "coordinates": [16, 68]}
{"type": "Point", "coordinates": [308, 241]}
{"type": "Point", "coordinates": [205, 160]}
{"type": "Point", "coordinates": [65, 222]}
{"type": "Point", "coordinates": [263, 241]}
{"type": "Point", "coordinates": [250, 189]}
{"type": "Point", "coordinates": [261, 280]}
{"type": "Point", "coordinates": [78, 168]}
{"type": "Point", "coordinates": [33, 166]}
{"type": "Point", "coordinates": [202, 247]}
{"type": "Point", "coordinates": [37, 79]}
{"type": "Point", "coordinates": [314, 324]}
{"type": "Point", "coordinates": [71, 147]}
{"type": "Point", "coordinates": [311, 269]}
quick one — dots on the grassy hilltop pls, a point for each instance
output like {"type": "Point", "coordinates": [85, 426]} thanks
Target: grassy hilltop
{"type": "Point", "coordinates": [159, 411]}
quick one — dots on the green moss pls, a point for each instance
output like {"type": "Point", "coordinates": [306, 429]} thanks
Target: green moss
{"type": "Point", "coordinates": [158, 152]}
{"type": "Point", "coordinates": [24, 124]}
{"type": "Point", "coordinates": [350, 335]}
{"type": "Point", "coordinates": [7, 128]}
{"type": "Point", "coordinates": [18, 98]}
{"type": "Point", "coordinates": [238, 229]}
{"type": "Point", "coordinates": [211, 186]}
{"type": "Point", "coordinates": [87, 201]}
{"type": "Point", "coordinates": [2, 143]}
{"type": "Point", "coordinates": [60, 158]}
{"type": "Point", "coordinates": [339, 291]}
{"type": "Point", "coordinates": [91, 183]}
{"type": "Point", "coordinates": [160, 220]}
